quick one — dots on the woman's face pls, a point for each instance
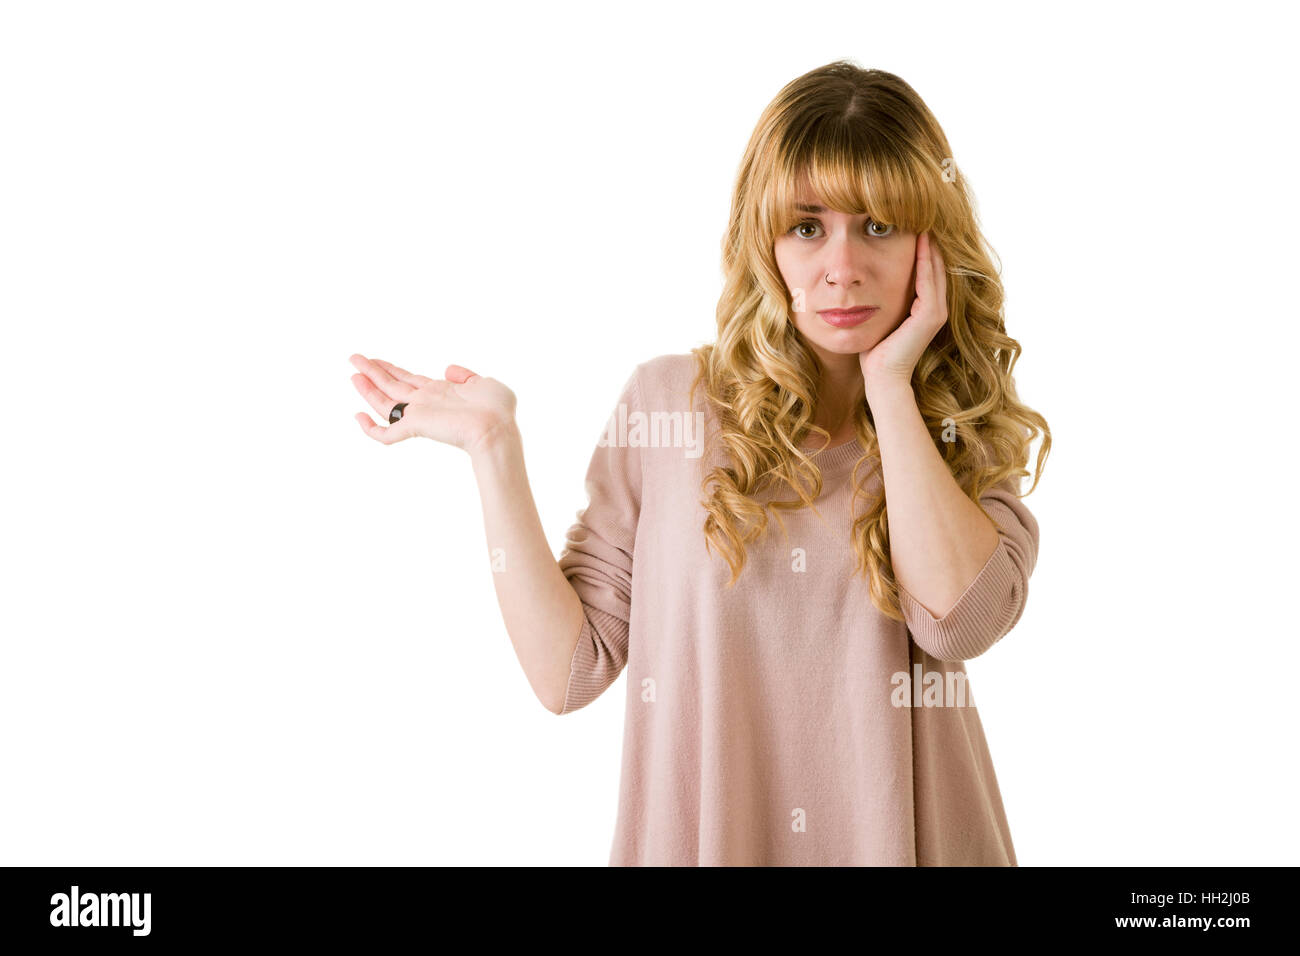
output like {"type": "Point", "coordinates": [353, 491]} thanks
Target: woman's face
{"type": "Point", "coordinates": [832, 260]}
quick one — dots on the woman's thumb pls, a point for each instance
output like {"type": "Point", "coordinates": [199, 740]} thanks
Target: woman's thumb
{"type": "Point", "coordinates": [459, 374]}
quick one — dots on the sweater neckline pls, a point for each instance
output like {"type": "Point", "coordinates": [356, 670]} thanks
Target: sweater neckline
{"type": "Point", "coordinates": [838, 459]}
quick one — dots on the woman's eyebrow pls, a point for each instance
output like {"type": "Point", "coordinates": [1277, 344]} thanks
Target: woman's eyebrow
{"type": "Point", "coordinates": [813, 207]}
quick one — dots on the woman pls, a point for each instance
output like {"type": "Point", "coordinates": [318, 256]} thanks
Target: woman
{"type": "Point", "coordinates": [802, 699]}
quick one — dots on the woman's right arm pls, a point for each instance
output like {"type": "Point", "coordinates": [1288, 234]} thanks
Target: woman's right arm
{"type": "Point", "coordinates": [542, 612]}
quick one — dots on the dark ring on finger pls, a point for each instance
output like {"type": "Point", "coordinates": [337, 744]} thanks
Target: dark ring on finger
{"type": "Point", "coordinates": [396, 414]}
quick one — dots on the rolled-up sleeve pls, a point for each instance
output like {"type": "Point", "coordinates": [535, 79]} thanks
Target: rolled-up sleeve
{"type": "Point", "coordinates": [597, 557]}
{"type": "Point", "coordinates": [990, 607]}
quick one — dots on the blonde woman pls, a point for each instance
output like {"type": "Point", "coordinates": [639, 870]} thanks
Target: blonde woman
{"type": "Point", "coordinates": [795, 698]}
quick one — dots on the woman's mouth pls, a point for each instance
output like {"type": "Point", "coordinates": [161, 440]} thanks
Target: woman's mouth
{"type": "Point", "coordinates": [847, 318]}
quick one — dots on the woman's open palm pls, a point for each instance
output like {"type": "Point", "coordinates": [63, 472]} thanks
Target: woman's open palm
{"type": "Point", "coordinates": [459, 410]}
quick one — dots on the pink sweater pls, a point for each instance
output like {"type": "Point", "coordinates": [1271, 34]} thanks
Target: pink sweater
{"type": "Point", "coordinates": [785, 721]}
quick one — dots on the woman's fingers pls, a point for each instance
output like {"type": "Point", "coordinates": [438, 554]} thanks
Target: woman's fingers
{"type": "Point", "coordinates": [938, 277]}
{"type": "Point", "coordinates": [380, 433]}
{"type": "Point", "coordinates": [378, 387]}
{"type": "Point", "coordinates": [459, 374]}
{"type": "Point", "coordinates": [931, 275]}
{"type": "Point", "coordinates": [923, 278]}
{"type": "Point", "coordinates": [375, 397]}
{"type": "Point", "coordinates": [410, 378]}
{"type": "Point", "coordinates": [390, 385]}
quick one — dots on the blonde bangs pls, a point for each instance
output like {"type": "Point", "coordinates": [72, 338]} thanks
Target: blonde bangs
{"type": "Point", "coordinates": [867, 179]}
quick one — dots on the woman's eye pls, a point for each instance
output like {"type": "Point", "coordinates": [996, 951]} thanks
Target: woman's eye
{"type": "Point", "coordinates": [871, 223]}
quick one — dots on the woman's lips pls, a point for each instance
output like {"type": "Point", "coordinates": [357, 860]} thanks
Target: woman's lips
{"type": "Point", "coordinates": [847, 318]}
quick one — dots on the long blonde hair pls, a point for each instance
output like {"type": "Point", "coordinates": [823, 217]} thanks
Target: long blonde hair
{"type": "Point", "coordinates": [867, 144]}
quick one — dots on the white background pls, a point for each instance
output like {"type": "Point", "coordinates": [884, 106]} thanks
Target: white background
{"type": "Point", "coordinates": [236, 630]}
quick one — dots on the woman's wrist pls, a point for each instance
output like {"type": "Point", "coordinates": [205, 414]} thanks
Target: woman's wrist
{"type": "Point", "coordinates": [494, 445]}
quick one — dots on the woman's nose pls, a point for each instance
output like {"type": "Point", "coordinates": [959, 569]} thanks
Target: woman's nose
{"type": "Point", "coordinates": [845, 263]}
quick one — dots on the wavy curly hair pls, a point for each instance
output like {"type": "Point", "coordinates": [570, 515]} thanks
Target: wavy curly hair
{"type": "Point", "coordinates": [865, 143]}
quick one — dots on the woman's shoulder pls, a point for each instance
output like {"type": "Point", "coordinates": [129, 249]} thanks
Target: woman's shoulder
{"type": "Point", "coordinates": [665, 380]}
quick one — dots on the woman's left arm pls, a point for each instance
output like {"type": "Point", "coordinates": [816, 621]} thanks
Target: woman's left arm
{"type": "Point", "coordinates": [962, 580]}
{"type": "Point", "coordinates": [938, 538]}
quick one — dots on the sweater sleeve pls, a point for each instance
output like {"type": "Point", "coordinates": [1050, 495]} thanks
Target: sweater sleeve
{"type": "Point", "coordinates": [995, 600]}
{"type": "Point", "coordinates": [597, 558]}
